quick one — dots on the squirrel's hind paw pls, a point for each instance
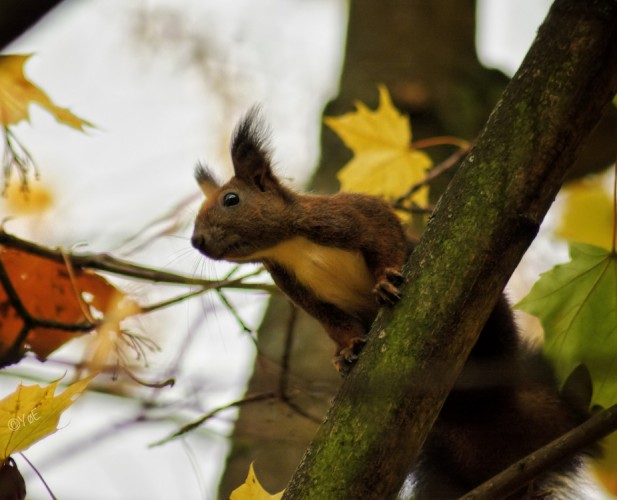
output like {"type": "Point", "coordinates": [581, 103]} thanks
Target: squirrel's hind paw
{"type": "Point", "coordinates": [387, 288]}
{"type": "Point", "coordinates": [347, 356]}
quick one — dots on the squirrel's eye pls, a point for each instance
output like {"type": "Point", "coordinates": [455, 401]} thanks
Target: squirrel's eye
{"type": "Point", "coordinates": [231, 199]}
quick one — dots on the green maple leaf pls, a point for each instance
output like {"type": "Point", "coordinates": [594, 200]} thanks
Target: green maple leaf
{"type": "Point", "coordinates": [577, 305]}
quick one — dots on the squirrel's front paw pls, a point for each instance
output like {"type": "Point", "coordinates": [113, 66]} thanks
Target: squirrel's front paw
{"type": "Point", "coordinates": [387, 288]}
{"type": "Point", "coordinates": [347, 356]}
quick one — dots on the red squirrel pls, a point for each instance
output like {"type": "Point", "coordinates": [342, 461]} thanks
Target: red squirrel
{"type": "Point", "coordinates": [317, 248]}
{"type": "Point", "coordinates": [339, 257]}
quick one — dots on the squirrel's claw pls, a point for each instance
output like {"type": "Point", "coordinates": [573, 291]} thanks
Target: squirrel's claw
{"type": "Point", "coordinates": [347, 356]}
{"type": "Point", "coordinates": [394, 276]}
{"type": "Point", "coordinates": [387, 288]}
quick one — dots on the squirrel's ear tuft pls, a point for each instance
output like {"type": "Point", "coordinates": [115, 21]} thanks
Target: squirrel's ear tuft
{"type": "Point", "coordinates": [206, 180]}
{"type": "Point", "coordinates": [249, 151]}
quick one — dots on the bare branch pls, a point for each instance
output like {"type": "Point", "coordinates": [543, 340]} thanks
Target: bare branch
{"type": "Point", "coordinates": [107, 263]}
{"type": "Point", "coordinates": [445, 165]}
{"type": "Point", "coordinates": [263, 396]}
{"type": "Point", "coordinates": [546, 458]}
{"type": "Point", "coordinates": [16, 156]}
{"type": "Point", "coordinates": [99, 262]}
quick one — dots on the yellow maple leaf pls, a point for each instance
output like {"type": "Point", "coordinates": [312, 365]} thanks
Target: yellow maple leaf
{"type": "Point", "coordinates": [17, 93]}
{"type": "Point", "coordinates": [36, 201]}
{"type": "Point", "coordinates": [32, 412]}
{"type": "Point", "coordinates": [253, 490]}
{"type": "Point", "coordinates": [384, 163]}
{"type": "Point", "coordinates": [589, 212]}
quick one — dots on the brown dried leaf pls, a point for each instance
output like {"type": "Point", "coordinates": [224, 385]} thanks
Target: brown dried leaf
{"type": "Point", "coordinates": [47, 292]}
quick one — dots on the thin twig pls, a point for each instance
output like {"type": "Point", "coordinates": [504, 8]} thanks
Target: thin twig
{"type": "Point", "coordinates": [85, 262]}
{"type": "Point", "coordinates": [71, 262]}
{"type": "Point", "coordinates": [20, 159]}
{"type": "Point", "coordinates": [234, 313]}
{"type": "Point", "coordinates": [413, 209]}
{"type": "Point", "coordinates": [262, 396]}
{"type": "Point", "coordinates": [443, 140]}
{"type": "Point", "coordinates": [40, 476]}
{"type": "Point", "coordinates": [233, 271]}
{"type": "Point", "coordinates": [172, 301]}
{"type": "Point", "coordinates": [546, 458]}
{"type": "Point", "coordinates": [169, 382]}
{"type": "Point", "coordinates": [283, 387]}
{"type": "Point", "coordinates": [289, 336]}
{"type": "Point", "coordinates": [85, 310]}
{"type": "Point", "coordinates": [445, 165]}
{"type": "Point", "coordinates": [107, 263]}
{"type": "Point", "coordinates": [170, 226]}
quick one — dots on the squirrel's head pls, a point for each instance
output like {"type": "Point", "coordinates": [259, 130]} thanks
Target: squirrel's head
{"type": "Point", "coordinates": [252, 211]}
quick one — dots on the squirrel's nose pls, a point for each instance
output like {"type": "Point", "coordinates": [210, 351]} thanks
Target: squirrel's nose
{"type": "Point", "coordinates": [197, 240]}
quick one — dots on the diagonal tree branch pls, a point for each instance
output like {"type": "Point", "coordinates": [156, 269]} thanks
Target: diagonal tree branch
{"type": "Point", "coordinates": [16, 17]}
{"type": "Point", "coordinates": [481, 227]}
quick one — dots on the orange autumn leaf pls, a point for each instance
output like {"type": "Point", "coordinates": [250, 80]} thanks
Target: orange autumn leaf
{"type": "Point", "coordinates": [47, 291]}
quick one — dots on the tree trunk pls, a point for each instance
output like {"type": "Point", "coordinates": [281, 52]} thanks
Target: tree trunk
{"type": "Point", "coordinates": [386, 42]}
{"type": "Point", "coordinates": [483, 224]}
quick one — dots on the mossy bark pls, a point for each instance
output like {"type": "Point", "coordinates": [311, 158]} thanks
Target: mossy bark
{"type": "Point", "coordinates": [483, 224]}
{"type": "Point", "coordinates": [388, 42]}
